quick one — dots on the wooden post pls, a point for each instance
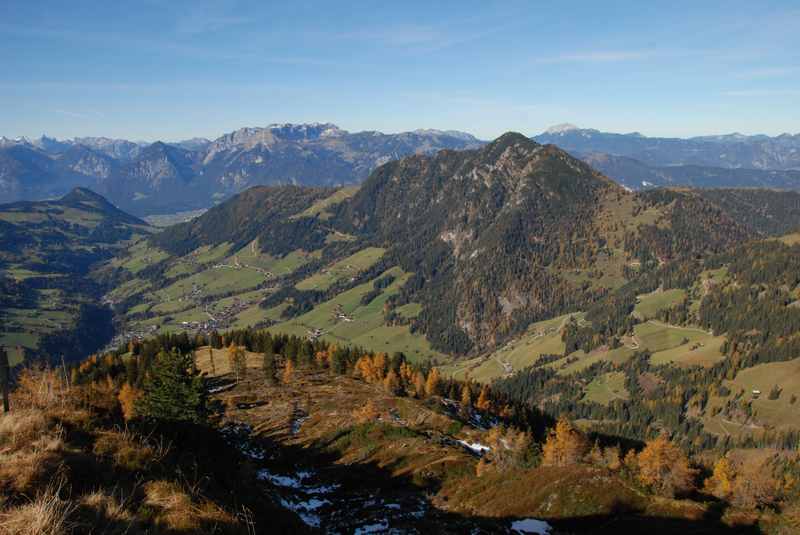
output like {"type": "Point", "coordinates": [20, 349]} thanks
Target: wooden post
{"type": "Point", "coordinates": [5, 378]}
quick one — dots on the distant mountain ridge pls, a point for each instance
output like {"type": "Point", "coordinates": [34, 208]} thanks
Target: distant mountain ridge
{"type": "Point", "coordinates": [157, 178]}
{"type": "Point", "coordinates": [634, 174]}
{"type": "Point", "coordinates": [727, 151]}
{"type": "Point", "coordinates": [163, 177]}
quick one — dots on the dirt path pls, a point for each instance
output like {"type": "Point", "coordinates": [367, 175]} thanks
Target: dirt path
{"type": "Point", "coordinates": [668, 326]}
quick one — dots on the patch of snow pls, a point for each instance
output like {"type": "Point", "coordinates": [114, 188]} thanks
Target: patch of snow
{"type": "Point", "coordinates": [475, 447]}
{"type": "Point", "coordinates": [531, 525]}
{"type": "Point", "coordinates": [322, 489]}
{"type": "Point", "coordinates": [310, 519]}
{"type": "Point", "coordinates": [395, 506]}
{"type": "Point", "coordinates": [220, 388]}
{"type": "Point", "coordinates": [372, 528]}
{"type": "Point", "coordinates": [297, 424]}
{"type": "Point", "coordinates": [561, 128]}
{"type": "Point", "coordinates": [281, 481]}
{"type": "Point", "coordinates": [646, 184]}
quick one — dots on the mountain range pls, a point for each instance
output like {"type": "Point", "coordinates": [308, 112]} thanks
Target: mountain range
{"type": "Point", "coordinates": [157, 178]}
{"type": "Point", "coordinates": [732, 151]}
{"type": "Point", "coordinates": [168, 177]}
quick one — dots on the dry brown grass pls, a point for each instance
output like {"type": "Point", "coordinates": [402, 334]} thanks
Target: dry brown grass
{"type": "Point", "coordinates": [29, 447]}
{"type": "Point", "coordinates": [111, 511]}
{"type": "Point", "coordinates": [176, 510]}
{"type": "Point", "coordinates": [129, 450]}
{"type": "Point", "coordinates": [47, 514]}
{"type": "Point", "coordinates": [40, 388]}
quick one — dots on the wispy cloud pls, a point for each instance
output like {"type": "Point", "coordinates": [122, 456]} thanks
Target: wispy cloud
{"type": "Point", "coordinates": [430, 37]}
{"type": "Point", "coordinates": [207, 20]}
{"type": "Point", "coordinates": [768, 72]}
{"type": "Point", "coordinates": [598, 56]}
{"type": "Point", "coordinates": [79, 114]}
{"type": "Point", "coordinates": [762, 93]}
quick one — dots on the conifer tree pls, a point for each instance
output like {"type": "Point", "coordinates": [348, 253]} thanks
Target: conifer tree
{"type": "Point", "coordinates": [5, 378]}
{"type": "Point", "coordinates": [237, 359]}
{"type": "Point", "coordinates": [392, 383]}
{"type": "Point", "coordinates": [269, 368]}
{"type": "Point", "coordinates": [172, 392]}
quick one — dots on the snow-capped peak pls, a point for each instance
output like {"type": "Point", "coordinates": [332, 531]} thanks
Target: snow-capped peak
{"type": "Point", "coordinates": [561, 128]}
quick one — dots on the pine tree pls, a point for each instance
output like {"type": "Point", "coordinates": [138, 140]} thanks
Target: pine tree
{"type": "Point", "coordinates": [392, 383]}
{"type": "Point", "coordinates": [269, 368]}
{"type": "Point", "coordinates": [171, 391]}
{"type": "Point", "coordinates": [5, 378]}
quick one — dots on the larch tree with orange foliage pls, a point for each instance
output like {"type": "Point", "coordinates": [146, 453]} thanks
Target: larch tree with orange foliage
{"type": "Point", "coordinates": [433, 384]}
{"type": "Point", "coordinates": [755, 484]}
{"type": "Point", "coordinates": [466, 401]}
{"type": "Point", "coordinates": [419, 385]}
{"type": "Point", "coordinates": [565, 445]}
{"type": "Point", "coordinates": [128, 398]}
{"type": "Point", "coordinates": [288, 371]}
{"type": "Point", "coordinates": [720, 484]}
{"type": "Point", "coordinates": [665, 468]}
{"type": "Point", "coordinates": [484, 403]}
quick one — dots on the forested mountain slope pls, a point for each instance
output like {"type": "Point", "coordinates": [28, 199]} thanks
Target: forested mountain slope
{"type": "Point", "coordinates": [464, 248]}
{"type": "Point", "coordinates": [49, 304]}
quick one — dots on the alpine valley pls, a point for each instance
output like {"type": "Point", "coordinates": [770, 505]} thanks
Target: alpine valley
{"type": "Point", "coordinates": [418, 332]}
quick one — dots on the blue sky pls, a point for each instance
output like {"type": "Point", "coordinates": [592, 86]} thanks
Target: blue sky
{"type": "Point", "coordinates": [171, 70]}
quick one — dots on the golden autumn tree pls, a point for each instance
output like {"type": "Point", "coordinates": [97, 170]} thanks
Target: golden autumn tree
{"type": "Point", "coordinates": [419, 385]}
{"type": "Point", "coordinates": [466, 400]}
{"type": "Point", "coordinates": [128, 397]}
{"type": "Point", "coordinates": [484, 403]}
{"type": "Point", "coordinates": [720, 484]}
{"type": "Point", "coordinates": [665, 468]}
{"type": "Point", "coordinates": [565, 445]}
{"type": "Point", "coordinates": [755, 485]}
{"type": "Point", "coordinates": [323, 359]}
{"type": "Point", "coordinates": [433, 384]}
{"type": "Point", "coordinates": [288, 371]}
